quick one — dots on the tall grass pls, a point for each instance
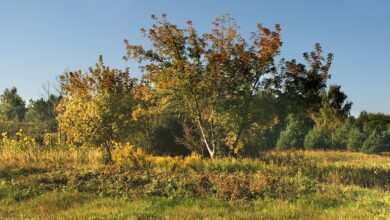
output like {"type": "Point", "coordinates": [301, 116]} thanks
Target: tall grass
{"type": "Point", "coordinates": [50, 157]}
{"type": "Point", "coordinates": [287, 180]}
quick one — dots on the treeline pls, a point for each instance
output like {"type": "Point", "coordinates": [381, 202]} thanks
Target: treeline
{"type": "Point", "coordinates": [36, 119]}
{"type": "Point", "coordinates": [214, 93]}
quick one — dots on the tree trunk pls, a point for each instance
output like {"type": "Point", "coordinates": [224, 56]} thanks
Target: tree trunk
{"type": "Point", "coordinates": [107, 157]}
{"type": "Point", "coordinates": [204, 138]}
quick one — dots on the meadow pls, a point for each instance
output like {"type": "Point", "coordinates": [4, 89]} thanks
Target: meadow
{"type": "Point", "coordinates": [194, 124]}
{"type": "Point", "coordinates": [74, 184]}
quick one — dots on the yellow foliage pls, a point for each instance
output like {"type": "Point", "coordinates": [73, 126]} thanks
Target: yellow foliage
{"type": "Point", "coordinates": [128, 156]}
{"type": "Point", "coordinates": [230, 141]}
{"type": "Point", "coordinates": [96, 106]}
{"type": "Point", "coordinates": [20, 143]}
{"type": "Point", "coordinates": [191, 160]}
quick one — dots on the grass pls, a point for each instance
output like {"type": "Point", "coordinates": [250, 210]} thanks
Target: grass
{"type": "Point", "coordinates": [356, 203]}
{"type": "Point", "coordinates": [66, 184]}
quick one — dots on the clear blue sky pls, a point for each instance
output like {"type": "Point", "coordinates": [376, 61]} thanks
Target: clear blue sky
{"type": "Point", "coordinates": [42, 38]}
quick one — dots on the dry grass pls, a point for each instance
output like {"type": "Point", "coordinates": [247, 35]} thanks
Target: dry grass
{"type": "Point", "coordinates": [51, 157]}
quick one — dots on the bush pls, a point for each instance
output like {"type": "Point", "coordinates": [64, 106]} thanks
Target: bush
{"type": "Point", "coordinates": [355, 139]}
{"type": "Point", "coordinates": [293, 134]}
{"type": "Point", "coordinates": [377, 141]}
{"type": "Point", "coordinates": [316, 139]}
{"type": "Point", "coordinates": [340, 136]}
{"type": "Point", "coordinates": [130, 157]}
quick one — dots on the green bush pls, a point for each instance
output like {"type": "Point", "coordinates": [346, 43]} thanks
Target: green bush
{"type": "Point", "coordinates": [377, 141]}
{"type": "Point", "coordinates": [339, 137]}
{"type": "Point", "coordinates": [355, 139]}
{"type": "Point", "coordinates": [292, 136]}
{"type": "Point", "coordinates": [316, 139]}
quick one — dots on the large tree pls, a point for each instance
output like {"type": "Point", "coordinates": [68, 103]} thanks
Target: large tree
{"type": "Point", "coordinates": [212, 80]}
{"type": "Point", "coordinates": [96, 106]}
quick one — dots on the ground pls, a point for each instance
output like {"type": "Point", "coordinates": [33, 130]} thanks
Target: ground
{"type": "Point", "coordinates": [278, 185]}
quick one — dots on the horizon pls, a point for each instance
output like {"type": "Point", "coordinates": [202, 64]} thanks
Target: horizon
{"type": "Point", "coordinates": [43, 39]}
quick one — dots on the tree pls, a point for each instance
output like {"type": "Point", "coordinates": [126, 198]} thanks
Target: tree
{"type": "Point", "coordinates": [339, 136]}
{"type": "Point", "coordinates": [293, 134]}
{"type": "Point", "coordinates": [12, 106]}
{"type": "Point", "coordinates": [209, 80]}
{"type": "Point", "coordinates": [355, 139]}
{"type": "Point", "coordinates": [333, 111]}
{"type": "Point", "coordinates": [41, 114]}
{"type": "Point", "coordinates": [96, 106]}
{"type": "Point", "coordinates": [373, 121]}
{"type": "Point", "coordinates": [300, 86]}
{"type": "Point", "coordinates": [316, 139]}
{"type": "Point", "coordinates": [377, 141]}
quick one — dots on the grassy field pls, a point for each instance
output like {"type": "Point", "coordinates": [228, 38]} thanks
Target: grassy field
{"type": "Point", "coordinates": [73, 184]}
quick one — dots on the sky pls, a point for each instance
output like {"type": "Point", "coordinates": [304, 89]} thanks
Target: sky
{"type": "Point", "coordinates": [41, 39]}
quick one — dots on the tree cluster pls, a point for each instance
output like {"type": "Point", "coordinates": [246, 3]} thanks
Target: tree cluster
{"type": "Point", "coordinates": [217, 94]}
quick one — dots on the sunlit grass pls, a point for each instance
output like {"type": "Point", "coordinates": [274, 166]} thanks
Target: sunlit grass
{"type": "Point", "coordinates": [354, 203]}
{"type": "Point", "coordinates": [74, 184]}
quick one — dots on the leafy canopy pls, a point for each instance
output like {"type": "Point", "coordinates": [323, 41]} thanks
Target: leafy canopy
{"type": "Point", "coordinates": [211, 78]}
{"type": "Point", "coordinates": [96, 106]}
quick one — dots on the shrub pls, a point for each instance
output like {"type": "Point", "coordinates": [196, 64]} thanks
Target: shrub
{"type": "Point", "coordinates": [316, 139]}
{"type": "Point", "coordinates": [355, 139]}
{"type": "Point", "coordinates": [128, 156]}
{"type": "Point", "coordinates": [293, 134]}
{"type": "Point", "coordinates": [339, 138]}
{"type": "Point", "coordinates": [258, 139]}
{"type": "Point", "coordinates": [377, 141]}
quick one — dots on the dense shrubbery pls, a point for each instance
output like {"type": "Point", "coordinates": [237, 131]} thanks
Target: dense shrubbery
{"type": "Point", "coordinates": [292, 136]}
{"type": "Point", "coordinates": [376, 141]}
{"type": "Point", "coordinates": [316, 139]}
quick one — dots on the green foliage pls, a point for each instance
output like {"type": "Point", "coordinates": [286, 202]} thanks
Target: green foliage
{"type": "Point", "coordinates": [293, 134]}
{"type": "Point", "coordinates": [43, 110]}
{"type": "Point", "coordinates": [164, 142]}
{"type": "Point", "coordinates": [41, 115]}
{"type": "Point", "coordinates": [355, 139]}
{"type": "Point", "coordinates": [340, 136]}
{"type": "Point", "coordinates": [371, 121]}
{"type": "Point", "coordinates": [300, 86]}
{"type": "Point", "coordinates": [12, 106]}
{"type": "Point", "coordinates": [316, 139]}
{"type": "Point", "coordinates": [376, 141]}
{"type": "Point", "coordinates": [333, 111]}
